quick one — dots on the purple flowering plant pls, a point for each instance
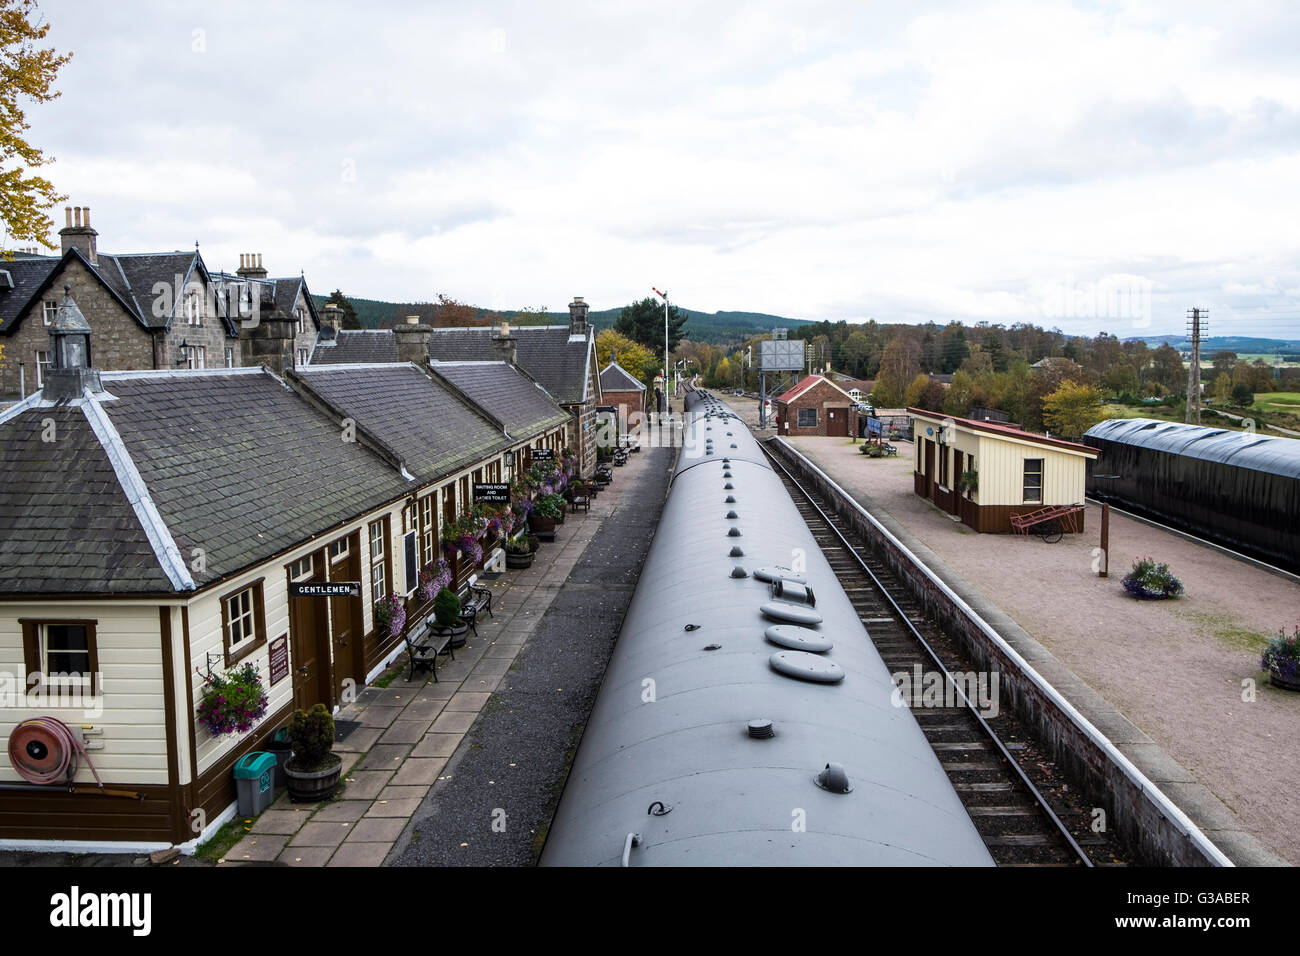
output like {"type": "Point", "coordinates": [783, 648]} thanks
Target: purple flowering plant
{"type": "Point", "coordinates": [233, 702]}
{"type": "Point", "coordinates": [1282, 655]}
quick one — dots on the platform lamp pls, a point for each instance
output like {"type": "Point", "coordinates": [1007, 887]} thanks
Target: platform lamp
{"type": "Point", "coordinates": [1104, 571]}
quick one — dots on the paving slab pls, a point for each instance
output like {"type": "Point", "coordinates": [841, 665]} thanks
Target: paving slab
{"type": "Point", "coordinates": [342, 811]}
{"type": "Point", "coordinates": [261, 847]}
{"type": "Point", "coordinates": [360, 854]}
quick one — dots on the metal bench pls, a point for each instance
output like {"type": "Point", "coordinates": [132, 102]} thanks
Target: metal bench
{"type": "Point", "coordinates": [425, 643]}
{"type": "Point", "coordinates": [473, 601]}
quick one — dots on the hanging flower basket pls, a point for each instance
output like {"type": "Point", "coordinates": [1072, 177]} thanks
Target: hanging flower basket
{"type": "Point", "coordinates": [390, 615]}
{"type": "Point", "coordinates": [434, 576]}
{"type": "Point", "coordinates": [470, 547]}
{"type": "Point", "coordinates": [232, 703]}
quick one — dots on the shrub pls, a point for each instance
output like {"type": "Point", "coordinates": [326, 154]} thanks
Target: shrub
{"type": "Point", "coordinates": [517, 546]}
{"type": "Point", "coordinates": [969, 481]}
{"type": "Point", "coordinates": [312, 735]}
{"type": "Point", "coordinates": [548, 506]}
{"type": "Point", "coordinates": [1283, 655]}
{"type": "Point", "coordinates": [446, 608]}
{"type": "Point", "coordinates": [1149, 581]}
{"type": "Point", "coordinates": [872, 450]}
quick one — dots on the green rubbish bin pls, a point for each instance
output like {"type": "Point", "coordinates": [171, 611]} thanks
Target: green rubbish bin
{"type": "Point", "coordinates": [254, 776]}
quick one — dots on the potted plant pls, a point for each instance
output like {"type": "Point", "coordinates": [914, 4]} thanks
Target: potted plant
{"type": "Point", "coordinates": [232, 703]}
{"type": "Point", "coordinates": [1149, 581]}
{"type": "Point", "coordinates": [446, 612]}
{"type": "Point", "coordinates": [969, 482]}
{"type": "Point", "coordinates": [390, 615]}
{"type": "Point", "coordinates": [1281, 659]}
{"type": "Point", "coordinates": [520, 551]}
{"type": "Point", "coordinates": [313, 771]}
{"type": "Point", "coordinates": [544, 516]}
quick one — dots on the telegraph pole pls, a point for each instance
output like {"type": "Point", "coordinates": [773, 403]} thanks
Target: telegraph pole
{"type": "Point", "coordinates": [1197, 322]}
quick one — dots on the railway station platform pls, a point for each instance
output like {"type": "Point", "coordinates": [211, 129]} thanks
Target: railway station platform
{"type": "Point", "coordinates": [465, 771]}
{"type": "Point", "coordinates": [1163, 679]}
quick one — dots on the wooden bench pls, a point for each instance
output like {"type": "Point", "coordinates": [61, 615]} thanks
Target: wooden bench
{"type": "Point", "coordinates": [424, 644]}
{"type": "Point", "coordinates": [473, 601]}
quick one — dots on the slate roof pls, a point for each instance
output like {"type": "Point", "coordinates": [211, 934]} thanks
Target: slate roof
{"type": "Point", "coordinates": [28, 275]}
{"type": "Point", "coordinates": [68, 526]}
{"type": "Point", "coordinates": [808, 383]}
{"type": "Point", "coordinates": [129, 278]}
{"type": "Point", "coordinates": [434, 430]}
{"type": "Point", "coordinates": [615, 378]}
{"type": "Point", "coordinates": [354, 347]}
{"type": "Point", "coordinates": [273, 294]}
{"type": "Point", "coordinates": [507, 393]}
{"type": "Point", "coordinates": [228, 461]}
{"type": "Point", "coordinates": [546, 352]}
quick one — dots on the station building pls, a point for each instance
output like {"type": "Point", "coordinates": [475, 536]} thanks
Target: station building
{"type": "Point", "coordinates": [561, 358]}
{"type": "Point", "coordinates": [1016, 472]}
{"type": "Point", "coordinates": [815, 406]}
{"type": "Point", "coordinates": [621, 393]}
{"type": "Point", "coordinates": [154, 523]}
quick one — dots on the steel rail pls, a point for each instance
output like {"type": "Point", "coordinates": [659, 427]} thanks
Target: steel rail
{"type": "Point", "coordinates": [902, 616]}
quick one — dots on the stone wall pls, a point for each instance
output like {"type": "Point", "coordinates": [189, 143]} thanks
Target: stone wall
{"type": "Point", "coordinates": [117, 341]}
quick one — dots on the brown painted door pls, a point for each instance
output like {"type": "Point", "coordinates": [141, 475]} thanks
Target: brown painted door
{"type": "Point", "coordinates": [929, 469]}
{"type": "Point", "coordinates": [957, 468]}
{"type": "Point", "coordinates": [309, 642]}
{"type": "Point", "coordinates": [837, 422]}
{"type": "Point", "coordinates": [345, 616]}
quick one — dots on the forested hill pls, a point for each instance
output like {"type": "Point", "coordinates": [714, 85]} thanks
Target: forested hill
{"type": "Point", "coordinates": [715, 327]}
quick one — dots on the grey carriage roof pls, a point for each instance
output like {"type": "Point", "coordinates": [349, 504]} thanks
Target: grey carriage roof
{"type": "Point", "coordinates": [1279, 456]}
{"type": "Point", "coordinates": [732, 797]}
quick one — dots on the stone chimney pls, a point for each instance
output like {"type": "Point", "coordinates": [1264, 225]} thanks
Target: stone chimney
{"type": "Point", "coordinates": [269, 342]}
{"type": "Point", "coordinates": [578, 316]}
{"type": "Point", "coordinates": [78, 235]}
{"type": "Point", "coordinates": [332, 316]}
{"type": "Point", "coordinates": [505, 344]}
{"type": "Point", "coordinates": [413, 341]}
{"type": "Point", "coordinates": [250, 266]}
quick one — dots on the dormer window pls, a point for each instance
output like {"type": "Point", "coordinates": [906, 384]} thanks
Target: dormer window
{"type": "Point", "coordinates": [193, 307]}
{"type": "Point", "coordinates": [246, 299]}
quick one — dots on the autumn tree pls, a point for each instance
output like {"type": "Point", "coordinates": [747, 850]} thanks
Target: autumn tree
{"type": "Point", "coordinates": [532, 316]}
{"type": "Point", "coordinates": [900, 364]}
{"type": "Point", "coordinates": [637, 360]}
{"type": "Point", "coordinates": [916, 390]}
{"type": "Point", "coordinates": [1072, 409]}
{"type": "Point", "coordinates": [26, 73]}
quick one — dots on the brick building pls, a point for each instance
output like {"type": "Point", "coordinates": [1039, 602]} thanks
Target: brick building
{"type": "Point", "coordinates": [621, 391]}
{"type": "Point", "coordinates": [816, 406]}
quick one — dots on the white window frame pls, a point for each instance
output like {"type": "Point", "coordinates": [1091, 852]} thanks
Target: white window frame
{"type": "Point", "coordinates": [1025, 473]}
{"type": "Point", "coordinates": [49, 309]}
{"type": "Point", "coordinates": [196, 357]}
{"type": "Point", "coordinates": [301, 314]}
{"type": "Point", "coordinates": [340, 548]}
{"type": "Point", "coordinates": [303, 568]}
{"type": "Point", "coordinates": [86, 680]}
{"type": "Point", "coordinates": [429, 527]}
{"type": "Point", "coordinates": [193, 307]}
{"type": "Point", "coordinates": [43, 366]}
{"type": "Point", "coordinates": [302, 357]}
{"type": "Point", "coordinates": [245, 621]}
{"type": "Point", "coordinates": [230, 358]}
{"type": "Point", "coordinates": [378, 562]}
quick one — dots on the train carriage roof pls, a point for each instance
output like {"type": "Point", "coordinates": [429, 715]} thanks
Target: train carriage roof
{"type": "Point", "coordinates": [1279, 456]}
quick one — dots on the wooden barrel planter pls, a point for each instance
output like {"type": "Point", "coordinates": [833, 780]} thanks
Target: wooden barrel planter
{"type": "Point", "coordinates": [539, 524]}
{"type": "Point", "coordinates": [517, 562]}
{"type": "Point", "coordinates": [313, 786]}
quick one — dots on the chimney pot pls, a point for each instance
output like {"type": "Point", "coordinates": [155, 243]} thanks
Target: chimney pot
{"type": "Point", "coordinates": [412, 320]}
{"type": "Point", "coordinates": [86, 210]}
{"type": "Point", "coordinates": [505, 328]}
{"type": "Point", "coordinates": [76, 215]}
{"type": "Point", "coordinates": [67, 215]}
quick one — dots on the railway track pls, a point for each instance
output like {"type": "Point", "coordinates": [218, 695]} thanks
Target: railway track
{"type": "Point", "coordinates": [1027, 813]}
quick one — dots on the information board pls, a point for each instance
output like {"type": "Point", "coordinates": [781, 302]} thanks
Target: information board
{"type": "Point", "coordinates": [492, 492]}
{"type": "Point", "coordinates": [279, 649]}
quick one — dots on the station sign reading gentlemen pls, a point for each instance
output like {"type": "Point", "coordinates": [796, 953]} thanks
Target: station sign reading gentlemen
{"type": "Point", "coordinates": [493, 493]}
{"type": "Point", "coordinates": [326, 589]}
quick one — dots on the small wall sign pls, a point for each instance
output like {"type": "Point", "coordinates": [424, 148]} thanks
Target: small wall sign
{"type": "Point", "coordinates": [494, 492]}
{"type": "Point", "coordinates": [325, 589]}
{"type": "Point", "coordinates": [279, 659]}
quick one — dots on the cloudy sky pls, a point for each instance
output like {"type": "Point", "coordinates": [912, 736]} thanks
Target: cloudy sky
{"type": "Point", "coordinates": [1085, 165]}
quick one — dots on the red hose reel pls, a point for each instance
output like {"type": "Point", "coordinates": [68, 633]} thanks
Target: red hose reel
{"type": "Point", "coordinates": [45, 750]}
